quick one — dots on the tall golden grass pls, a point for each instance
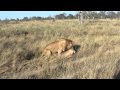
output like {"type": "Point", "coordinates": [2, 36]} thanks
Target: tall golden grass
{"type": "Point", "coordinates": [98, 57]}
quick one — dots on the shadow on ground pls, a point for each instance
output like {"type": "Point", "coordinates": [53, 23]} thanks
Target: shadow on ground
{"type": "Point", "coordinates": [117, 72]}
{"type": "Point", "coordinates": [77, 49]}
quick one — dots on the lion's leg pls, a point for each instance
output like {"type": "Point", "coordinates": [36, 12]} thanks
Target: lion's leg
{"type": "Point", "coordinates": [48, 53]}
{"type": "Point", "coordinates": [59, 52]}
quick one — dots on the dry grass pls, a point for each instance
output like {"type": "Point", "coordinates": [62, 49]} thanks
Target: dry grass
{"type": "Point", "coordinates": [98, 57]}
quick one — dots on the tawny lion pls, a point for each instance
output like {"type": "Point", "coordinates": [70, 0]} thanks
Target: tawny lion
{"type": "Point", "coordinates": [69, 53]}
{"type": "Point", "coordinates": [58, 46]}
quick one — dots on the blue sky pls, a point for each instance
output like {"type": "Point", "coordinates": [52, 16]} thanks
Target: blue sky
{"type": "Point", "coordinates": [21, 14]}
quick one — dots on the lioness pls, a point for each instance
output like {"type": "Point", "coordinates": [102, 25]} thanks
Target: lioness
{"type": "Point", "coordinates": [58, 46]}
{"type": "Point", "coordinates": [68, 53]}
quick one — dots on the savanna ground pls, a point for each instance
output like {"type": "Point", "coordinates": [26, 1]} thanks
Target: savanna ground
{"type": "Point", "coordinates": [98, 57]}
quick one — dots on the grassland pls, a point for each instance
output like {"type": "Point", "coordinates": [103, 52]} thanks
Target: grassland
{"type": "Point", "coordinates": [98, 57]}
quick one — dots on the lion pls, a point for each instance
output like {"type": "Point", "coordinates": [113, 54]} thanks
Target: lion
{"type": "Point", "coordinates": [69, 53]}
{"type": "Point", "coordinates": [58, 47]}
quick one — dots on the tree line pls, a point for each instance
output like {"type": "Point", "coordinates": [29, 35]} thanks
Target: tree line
{"type": "Point", "coordinates": [86, 15]}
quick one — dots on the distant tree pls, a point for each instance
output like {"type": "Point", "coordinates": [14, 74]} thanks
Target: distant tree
{"type": "Point", "coordinates": [49, 18]}
{"type": "Point", "coordinates": [39, 18]}
{"type": "Point", "coordinates": [92, 14]}
{"type": "Point", "coordinates": [25, 19]}
{"type": "Point", "coordinates": [17, 19]}
{"type": "Point", "coordinates": [6, 20]}
{"type": "Point", "coordinates": [118, 14]}
{"type": "Point", "coordinates": [12, 20]}
{"type": "Point", "coordinates": [70, 16]}
{"type": "Point", "coordinates": [33, 18]}
{"type": "Point", "coordinates": [76, 15]}
{"type": "Point", "coordinates": [102, 14]}
{"type": "Point", "coordinates": [111, 14]}
{"type": "Point", "coordinates": [61, 16]}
